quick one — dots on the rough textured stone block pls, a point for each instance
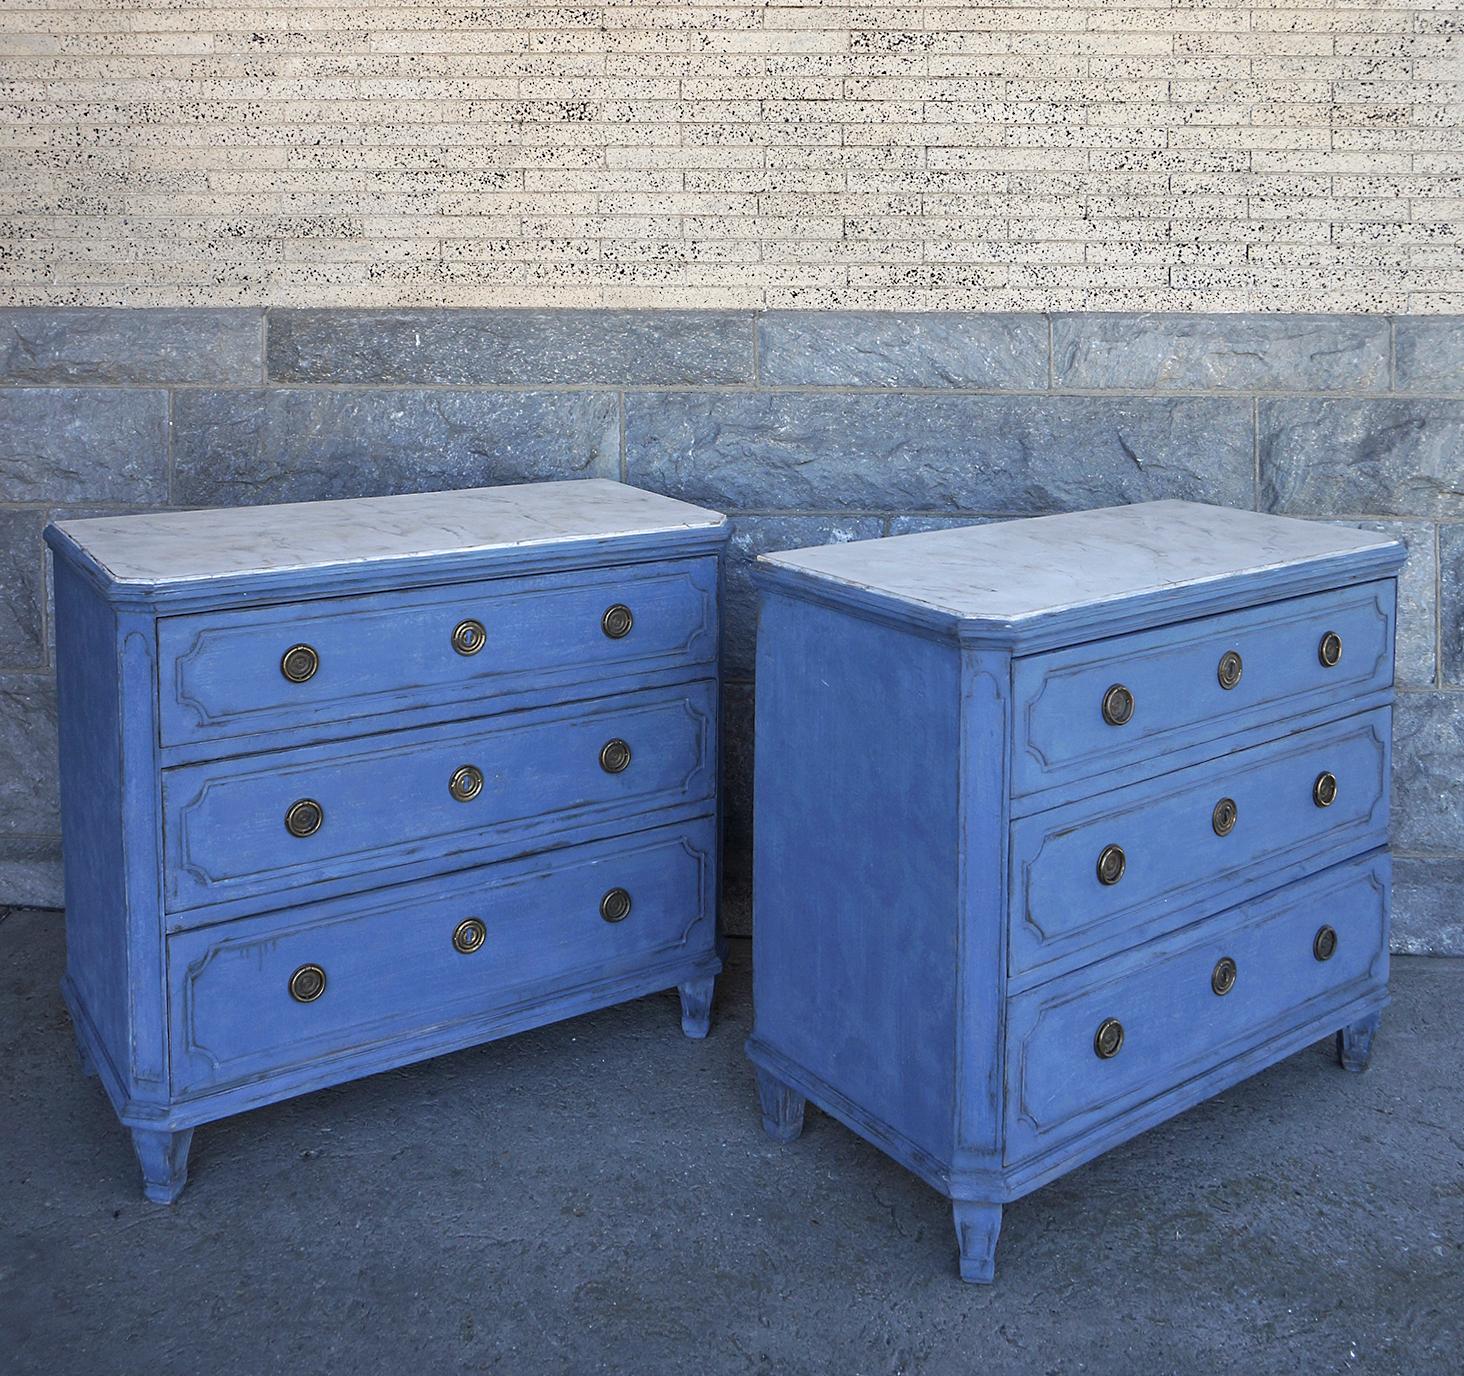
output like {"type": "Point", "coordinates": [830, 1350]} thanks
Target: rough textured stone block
{"type": "Point", "coordinates": [902, 452]}
{"type": "Point", "coordinates": [1428, 773]}
{"type": "Point", "coordinates": [119, 346]}
{"type": "Point", "coordinates": [29, 791]}
{"type": "Point", "coordinates": [30, 871]}
{"type": "Point", "coordinates": [1428, 916]}
{"type": "Point", "coordinates": [22, 589]}
{"type": "Point", "coordinates": [81, 444]}
{"type": "Point", "coordinates": [1227, 352]}
{"type": "Point", "coordinates": [1417, 646]}
{"type": "Point", "coordinates": [754, 535]}
{"type": "Point", "coordinates": [1386, 457]}
{"type": "Point", "coordinates": [913, 525]}
{"type": "Point", "coordinates": [1451, 603]}
{"type": "Point", "coordinates": [634, 348]}
{"type": "Point", "coordinates": [875, 349]}
{"type": "Point", "coordinates": [1429, 353]}
{"type": "Point", "coordinates": [247, 445]}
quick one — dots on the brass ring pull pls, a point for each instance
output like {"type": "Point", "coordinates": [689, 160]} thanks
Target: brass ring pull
{"type": "Point", "coordinates": [1229, 670]}
{"type": "Point", "coordinates": [1222, 977]}
{"type": "Point", "coordinates": [1324, 791]}
{"type": "Point", "coordinates": [1108, 1039]}
{"type": "Point", "coordinates": [299, 663]}
{"type": "Point", "coordinates": [615, 905]}
{"type": "Point", "coordinates": [466, 783]}
{"type": "Point", "coordinates": [1118, 705]}
{"type": "Point", "coordinates": [614, 756]}
{"type": "Point", "coordinates": [1111, 864]}
{"type": "Point", "coordinates": [470, 935]}
{"type": "Point", "coordinates": [1223, 817]}
{"type": "Point", "coordinates": [1324, 944]}
{"type": "Point", "coordinates": [307, 984]}
{"type": "Point", "coordinates": [303, 818]}
{"type": "Point", "coordinates": [617, 621]}
{"type": "Point", "coordinates": [1329, 651]}
{"type": "Point", "coordinates": [468, 637]}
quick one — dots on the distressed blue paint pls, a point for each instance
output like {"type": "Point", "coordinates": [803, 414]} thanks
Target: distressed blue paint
{"type": "Point", "coordinates": [189, 904]}
{"type": "Point", "coordinates": [935, 951]}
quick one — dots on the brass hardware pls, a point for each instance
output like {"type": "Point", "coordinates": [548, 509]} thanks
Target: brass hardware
{"type": "Point", "coordinates": [1324, 791]}
{"type": "Point", "coordinates": [1222, 977]}
{"type": "Point", "coordinates": [614, 756]}
{"type": "Point", "coordinates": [468, 637]}
{"type": "Point", "coordinates": [1111, 864]}
{"type": "Point", "coordinates": [615, 906]}
{"type": "Point", "coordinates": [617, 621]}
{"type": "Point", "coordinates": [1118, 705]}
{"type": "Point", "coordinates": [1108, 1039]}
{"type": "Point", "coordinates": [299, 663]}
{"type": "Point", "coordinates": [1230, 669]}
{"type": "Point", "coordinates": [303, 818]}
{"type": "Point", "coordinates": [469, 936]}
{"type": "Point", "coordinates": [466, 783]}
{"type": "Point", "coordinates": [307, 984]}
{"type": "Point", "coordinates": [1223, 817]}
{"type": "Point", "coordinates": [1324, 944]}
{"type": "Point", "coordinates": [1330, 649]}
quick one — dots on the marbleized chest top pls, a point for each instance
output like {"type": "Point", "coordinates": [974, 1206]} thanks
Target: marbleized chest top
{"type": "Point", "coordinates": [345, 784]}
{"type": "Point", "coordinates": [1080, 819]}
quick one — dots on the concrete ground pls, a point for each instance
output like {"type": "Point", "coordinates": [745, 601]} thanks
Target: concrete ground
{"type": "Point", "coordinates": [598, 1196]}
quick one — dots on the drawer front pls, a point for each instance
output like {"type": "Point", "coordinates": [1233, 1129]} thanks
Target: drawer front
{"type": "Point", "coordinates": [1125, 865]}
{"type": "Point", "coordinates": [224, 673]}
{"type": "Point", "coordinates": [391, 962]}
{"type": "Point", "coordinates": [1173, 682]}
{"type": "Point", "coordinates": [388, 801]}
{"type": "Point", "coordinates": [1174, 1025]}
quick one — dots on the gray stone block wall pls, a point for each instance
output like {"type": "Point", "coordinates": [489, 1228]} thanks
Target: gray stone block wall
{"type": "Point", "coordinates": [806, 427]}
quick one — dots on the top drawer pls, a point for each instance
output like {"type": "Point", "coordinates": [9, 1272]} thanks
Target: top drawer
{"type": "Point", "coordinates": [1086, 710]}
{"type": "Point", "coordinates": [230, 673]}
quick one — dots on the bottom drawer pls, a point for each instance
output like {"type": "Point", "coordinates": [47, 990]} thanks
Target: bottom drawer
{"type": "Point", "coordinates": [1181, 1011]}
{"type": "Point", "coordinates": [269, 994]}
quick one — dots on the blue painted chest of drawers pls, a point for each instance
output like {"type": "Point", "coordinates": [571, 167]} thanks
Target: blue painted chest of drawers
{"type": "Point", "coordinates": [349, 784]}
{"type": "Point", "coordinates": [1062, 826]}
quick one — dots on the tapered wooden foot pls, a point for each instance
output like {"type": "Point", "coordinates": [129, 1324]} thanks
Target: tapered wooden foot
{"type": "Point", "coordinates": [977, 1228]}
{"type": "Point", "coordinates": [164, 1160]}
{"type": "Point", "coordinates": [1355, 1043]}
{"type": "Point", "coordinates": [696, 1005]}
{"type": "Point", "coordinates": [782, 1108]}
{"type": "Point", "coordinates": [88, 1066]}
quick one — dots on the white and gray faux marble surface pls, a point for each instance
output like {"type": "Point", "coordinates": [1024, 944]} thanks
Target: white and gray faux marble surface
{"type": "Point", "coordinates": [1014, 570]}
{"type": "Point", "coordinates": [181, 546]}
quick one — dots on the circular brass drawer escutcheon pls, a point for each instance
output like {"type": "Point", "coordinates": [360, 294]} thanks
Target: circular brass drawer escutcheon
{"type": "Point", "coordinates": [470, 934]}
{"type": "Point", "coordinates": [303, 818]}
{"type": "Point", "coordinates": [1118, 705]}
{"type": "Point", "coordinates": [615, 905]}
{"type": "Point", "coordinates": [1222, 977]}
{"type": "Point", "coordinates": [1223, 817]}
{"type": "Point", "coordinates": [468, 637]}
{"type": "Point", "coordinates": [617, 621]}
{"type": "Point", "coordinates": [307, 984]}
{"type": "Point", "coordinates": [299, 663]}
{"type": "Point", "coordinates": [1112, 862]}
{"type": "Point", "coordinates": [466, 783]}
{"type": "Point", "coordinates": [614, 756]}
{"type": "Point", "coordinates": [1329, 651]}
{"type": "Point", "coordinates": [1324, 944]}
{"type": "Point", "coordinates": [1230, 668]}
{"type": "Point", "coordinates": [1324, 791]}
{"type": "Point", "coordinates": [1108, 1039]}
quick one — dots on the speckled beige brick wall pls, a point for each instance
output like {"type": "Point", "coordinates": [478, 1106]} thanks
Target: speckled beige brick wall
{"type": "Point", "coordinates": [1139, 154]}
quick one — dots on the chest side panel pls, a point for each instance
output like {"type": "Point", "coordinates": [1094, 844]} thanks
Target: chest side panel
{"type": "Point", "coordinates": [856, 862]}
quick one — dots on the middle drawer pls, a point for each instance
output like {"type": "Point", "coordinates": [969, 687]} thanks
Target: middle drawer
{"type": "Point", "coordinates": [1113, 870]}
{"type": "Point", "coordinates": [294, 819]}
